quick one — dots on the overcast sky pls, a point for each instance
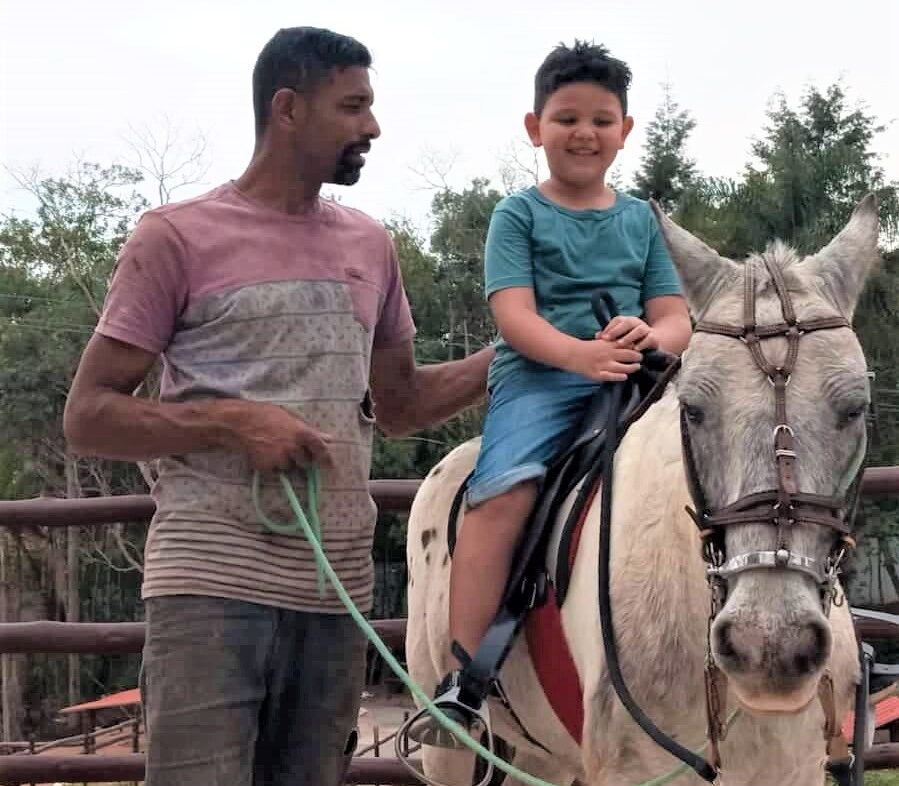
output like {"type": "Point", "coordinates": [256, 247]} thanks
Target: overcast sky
{"type": "Point", "coordinates": [451, 78]}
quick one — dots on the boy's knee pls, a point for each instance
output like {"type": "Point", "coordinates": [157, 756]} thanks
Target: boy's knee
{"type": "Point", "coordinates": [513, 503]}
{"type": "Point", "coordinates": [524, 494]}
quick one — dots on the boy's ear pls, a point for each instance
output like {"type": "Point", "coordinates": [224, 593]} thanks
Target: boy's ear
{"type": "Point", "coordinates": [626, 127]}
{"type": "Point", "coordinates": [532, 126]}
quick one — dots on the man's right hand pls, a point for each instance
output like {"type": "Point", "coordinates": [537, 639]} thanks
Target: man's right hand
{"type": "Point", "coordinates": [603, 360]}
{"type": "Point", "coordinates": [272, 438]}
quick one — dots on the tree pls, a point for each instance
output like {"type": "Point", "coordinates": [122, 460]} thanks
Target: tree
{"type": "Point", "coordinates": [54, 270]}
{"type": "Point", "coordinates": [665, 169]}
{"type": "Point", "coordinates": [817, 163]}
{"type": "Point", "coordinates": [460, 232]}
{"type": "Point", "coordinates": [811, 167]}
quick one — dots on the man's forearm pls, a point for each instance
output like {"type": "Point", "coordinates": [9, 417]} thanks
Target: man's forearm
{"type": "Point", "coordinates": [117, 426]}
{"type": "Point", "coordinates": [441, 390]}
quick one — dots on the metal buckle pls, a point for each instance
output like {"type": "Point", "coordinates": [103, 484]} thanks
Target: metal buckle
{"type": "Point", "coordinates": [783, 427]}
{"type": "Point", "coordinates": [772, 378]}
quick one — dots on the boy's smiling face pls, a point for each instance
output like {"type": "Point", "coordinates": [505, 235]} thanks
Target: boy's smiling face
{"type": "Point", "coordinates": [581, 128]}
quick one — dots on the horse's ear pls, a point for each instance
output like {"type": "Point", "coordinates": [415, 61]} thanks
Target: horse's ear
{"type": "Point", "coordinates": [843, 264]}
{"type": "Point", "coordinates": [700, 268]}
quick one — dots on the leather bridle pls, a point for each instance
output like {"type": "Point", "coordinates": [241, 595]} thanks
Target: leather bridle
{"type": "Point", "coordinates": [785, 506]}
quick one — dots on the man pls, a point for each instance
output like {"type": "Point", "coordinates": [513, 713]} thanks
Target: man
{"type": "Point", "coordinates": [275, 313]}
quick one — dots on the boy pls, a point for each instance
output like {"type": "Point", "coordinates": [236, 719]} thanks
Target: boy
{"type": "Point", "coordinates": [548, 248]}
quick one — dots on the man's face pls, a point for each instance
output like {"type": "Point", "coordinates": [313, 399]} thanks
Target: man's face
{"type": "Point", "coordinates": [336, 127]}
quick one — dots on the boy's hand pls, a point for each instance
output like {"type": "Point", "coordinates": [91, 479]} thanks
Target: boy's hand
{"type": "Point", "coordinates": [630, 332]}
{"type": "Point", "coordinates": [605, 361]}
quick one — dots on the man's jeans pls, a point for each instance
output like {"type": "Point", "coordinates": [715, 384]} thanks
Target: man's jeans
{"type": "Point", "coordinates": [240, 694]}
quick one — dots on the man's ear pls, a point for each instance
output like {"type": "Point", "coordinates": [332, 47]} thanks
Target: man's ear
{"type": "Point", "coordinates": [288, 109]}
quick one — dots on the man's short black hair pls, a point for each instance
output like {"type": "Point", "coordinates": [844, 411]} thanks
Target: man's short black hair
{"type": "Point", "coordinates": [301, 58]}
{"type": "Point", "coordinates": [583, 62]}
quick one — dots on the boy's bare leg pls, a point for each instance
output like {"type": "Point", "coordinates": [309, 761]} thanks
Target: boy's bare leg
{"type": "Point", "coordinates": [482, 562]}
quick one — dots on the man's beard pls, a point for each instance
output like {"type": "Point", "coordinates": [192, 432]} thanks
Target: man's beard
{"type": "Point", "coordinates": [350, 163]}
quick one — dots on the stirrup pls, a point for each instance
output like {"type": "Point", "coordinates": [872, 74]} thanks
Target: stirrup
{"type": "Point", "coordinates": [424, 729]}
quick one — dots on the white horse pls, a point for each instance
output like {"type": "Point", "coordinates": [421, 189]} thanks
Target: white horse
{"type": "Point", "coordinates": [771, 638]}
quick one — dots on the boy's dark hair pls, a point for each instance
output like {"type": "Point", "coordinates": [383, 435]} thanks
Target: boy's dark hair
{"type": "Point", "coordinates": [583, 62]}
{"type": "Point", "coordinates": [300, 58]}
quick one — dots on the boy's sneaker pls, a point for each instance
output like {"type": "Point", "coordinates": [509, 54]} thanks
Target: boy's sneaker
{"type": "Point", "coordinates": [425, 729]}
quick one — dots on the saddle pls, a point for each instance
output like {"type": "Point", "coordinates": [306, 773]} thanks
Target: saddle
{"type": "Point", "coordinates": [531, 581]}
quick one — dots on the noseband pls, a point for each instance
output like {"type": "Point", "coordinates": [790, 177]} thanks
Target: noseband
{"type": "Point", "coordinates": [785, 506]}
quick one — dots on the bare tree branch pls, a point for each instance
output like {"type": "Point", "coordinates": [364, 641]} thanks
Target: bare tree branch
{"type": "Point", "coordinates": [171, 158]}
{"type": "Point", "coordinates": [519, 165]}
{"type": "Point", "coordinates": [434, 169]}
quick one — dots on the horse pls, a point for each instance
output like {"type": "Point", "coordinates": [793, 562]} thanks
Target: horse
{"type": "Point", "coordinates": [777, 417]}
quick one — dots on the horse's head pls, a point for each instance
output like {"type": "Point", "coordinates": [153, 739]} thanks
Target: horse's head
{"type": "Point", "coordinates": [768, 421]}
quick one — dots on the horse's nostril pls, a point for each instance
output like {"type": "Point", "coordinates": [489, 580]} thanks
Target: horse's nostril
{"type": "Point", "coordinates": [725, 646]}
{"type": "Point", "coordinates": [812, 648]}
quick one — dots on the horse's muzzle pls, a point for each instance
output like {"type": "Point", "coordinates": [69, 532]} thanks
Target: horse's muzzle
{"type": "Point", "coordinates": [773, 663]}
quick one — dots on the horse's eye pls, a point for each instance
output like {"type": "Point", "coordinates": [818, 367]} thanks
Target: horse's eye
{"type": "Point", "coordinates": [852, 414]}
{"type": "Point", "coordinates": [694, 414]}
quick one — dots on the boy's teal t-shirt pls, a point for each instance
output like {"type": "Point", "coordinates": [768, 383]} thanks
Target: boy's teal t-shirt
{"type": "Point", "coordinates": [564, 255]}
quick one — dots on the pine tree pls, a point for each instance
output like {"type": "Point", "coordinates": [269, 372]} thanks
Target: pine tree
{"type": "Point", "coordinates": [665, 169]}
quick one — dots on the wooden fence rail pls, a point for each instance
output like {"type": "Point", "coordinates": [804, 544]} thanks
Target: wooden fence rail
{"type": "Point", "coordinates": [16, 770]}
{"type": "Point", "coordinates": [130, 767]}
{"type": "Point", "coordinates": [117, 638]}
{"type": "Point", "coordinates": [390, 495]}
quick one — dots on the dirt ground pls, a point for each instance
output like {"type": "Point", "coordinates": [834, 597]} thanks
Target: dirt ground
{"type": "Point", "coordinates": [385, 711]}
{"type": "Point", "coordinates": [381, 711]}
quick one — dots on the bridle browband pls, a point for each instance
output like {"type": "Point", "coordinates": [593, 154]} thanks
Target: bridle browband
{"type": "Point", "coordinates": [784, 506]}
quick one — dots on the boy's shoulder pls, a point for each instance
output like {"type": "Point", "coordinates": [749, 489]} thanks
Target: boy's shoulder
{"type": "Point", "coordinates": [518, 201]}
{"type": "Point", "coordinates": [630, 202]}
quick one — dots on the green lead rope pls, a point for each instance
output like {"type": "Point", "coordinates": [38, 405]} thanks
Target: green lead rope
{"type": "Point", "coordinates": [301, 524]}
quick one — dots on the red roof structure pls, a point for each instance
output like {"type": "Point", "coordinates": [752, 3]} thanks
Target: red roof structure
{"type": "Point", "coordinates": [125, 698]}
{"type": "Point", "coordinates": [885, 712]}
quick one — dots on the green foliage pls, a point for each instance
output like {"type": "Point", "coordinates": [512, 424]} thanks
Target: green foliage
{"type": "Point", "coordinates": [461, 221]}
{"type": "Point", "coordinates": [812, 166]}
{"type": "Point", "coordinates": [882, 778]}
{"type": "Point", "coordinates": [53, 276]}
{"type": "Point", "coordinates": [54, 270]}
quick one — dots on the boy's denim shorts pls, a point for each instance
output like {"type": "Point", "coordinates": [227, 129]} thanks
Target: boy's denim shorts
{"type": "Point", "coordinates": [529, 415]}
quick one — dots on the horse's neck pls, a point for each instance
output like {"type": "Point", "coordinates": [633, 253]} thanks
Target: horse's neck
{"type": "Point", "coordinates": [649, 479]}
{"type": "Point", "coordinates": [658, 577]}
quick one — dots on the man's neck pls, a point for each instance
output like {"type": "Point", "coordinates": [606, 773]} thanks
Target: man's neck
{"type": "Point", "coordinates": [270, 180]}
{"type": "Point", "coordinates": [596, 196]}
